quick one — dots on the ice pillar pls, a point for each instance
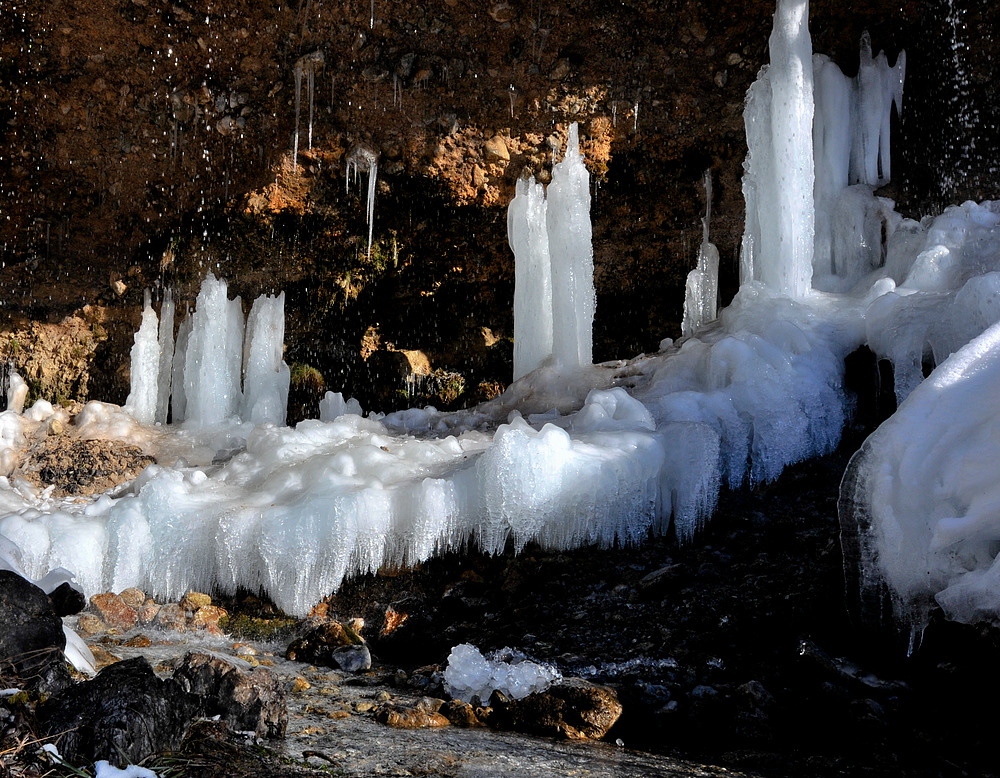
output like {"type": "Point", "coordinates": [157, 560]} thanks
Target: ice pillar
{"type": "Point", "coordinates": [574, 301]}
{"type": "Point", "coordinates": [532, 277]}
{"type": "Point", "coordinates": [778, 183]}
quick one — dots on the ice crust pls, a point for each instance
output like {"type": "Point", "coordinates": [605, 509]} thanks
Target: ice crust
{"type": "Point", "coordinates": [470, 674]}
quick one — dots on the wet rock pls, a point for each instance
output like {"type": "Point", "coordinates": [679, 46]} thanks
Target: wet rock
{"type": "Point", "coordinates": [460, 714]}
{"type": "Point", "coordinates": [66, 600]}
{"type": "Point", "coordinates": [89, 624]}
{"type": "Point", "coordinates": [248, 701]}
{"type": "Point", "coordinates": [125, 713]}
{"type": "Point", "coordinates": [171, 616]}
{"type": "Point", "coordinates": [207, 618]}
{"type": "Point", "coordinates": [318, 644]}
{"type": "Point", "coordinates": [401, 717]}
{"type": "Point", "coordinates": [148, 612]}
{"type": "Point", "coordinates": [352, 659]}
{"type": "Point", "coordinates": [31, 635]}
{"type": "Point", "coordinates": [133, 597]}
{"type": "Point", "coordinates": [573, 709]}
{"type": "Point", "coordinates": [114, 611]}
{"type": "Point", "coordinates": [192, 601]}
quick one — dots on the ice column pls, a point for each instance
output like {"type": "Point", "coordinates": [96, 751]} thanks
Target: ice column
{"type": "Point", "coordinates": [878, 88]}
{"type": "Point", "coordinates": [572, 255]}
{"type": "Point", "coordinates": [701, 293]}
{"type": "Point", "coordinates": [141, 402]}
{"type": "Point", "coordinates": [529, 241]}
{"type": "Point", "coordinates": [166, 347]}
{"type": "Point", "coordinates": [779, 177]}
{"type": "Point", "coordinates": [214, 355]}
{"type": "Point", "coordinates": [178, 400]}
{"type": "Point", "coordinates": [265, 374]}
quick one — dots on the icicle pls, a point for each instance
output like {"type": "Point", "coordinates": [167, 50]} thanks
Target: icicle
{"type": "Point", "coordinates": [265, 375]}
{"type": "Point", "coordinates": [312, 83]}
{"type": "Point", "coordinates": [165, 342]}
{"type": "Point", "coordinates": [298, 95]}
{"type": "Point", "coordinates": [363, 158]}
{"type": "Point", "coordinates": [307, 64]}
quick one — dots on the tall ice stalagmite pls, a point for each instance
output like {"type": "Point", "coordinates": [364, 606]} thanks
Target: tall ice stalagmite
{"type": "Point", "coordinates": [778, 183]}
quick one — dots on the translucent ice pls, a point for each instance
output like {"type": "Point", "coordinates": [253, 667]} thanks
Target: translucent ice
{"type": "Point", "coordinates": [141, 402]}
{"type": "Point", "coordinates": [529, 240]}
{"type": "Point", "coordinates": [470, 674]}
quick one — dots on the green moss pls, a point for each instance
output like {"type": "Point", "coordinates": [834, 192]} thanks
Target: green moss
{"type": "Point", "coordinates": [254, 628]}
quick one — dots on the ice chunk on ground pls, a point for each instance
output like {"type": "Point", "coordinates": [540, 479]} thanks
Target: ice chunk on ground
{"type": "Point", "coordinates": [470, 674]}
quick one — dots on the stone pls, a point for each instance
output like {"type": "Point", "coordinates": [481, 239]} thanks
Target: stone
{"type": "Point", "coordinates": [207, 618]}
{"type": "Point", "coordinates": [138, 641]}
{"type": "Point", "coordinates": [248, 701]}
{"type": "Point", "coordinates": [495, 150]}
{"type": "Point", "coordinates": [352, 659]}
{"type": "Point", "coordinates": [114, 611]}
{"type": "Point", "coordinates": [171, 616]}
{"type": "Point", "coordinates": [299, 685]}
{"type": "Point", "coordinates": [192, 601]}
{"type": "Point", "coordinates": [318, 643]}
{"type": "Point", "coordinates": [408, 718]}
{"type": "Point", "coordinates": [460, 714]}
{"type": "Point", "coordinates": [103, 657]}
{"type": "Point", "coordinates": [66, 600]}
{"type": "Point", "coordinates": [573, 709]}
{"type": "Point", "coordinates": [133, 597]}
{"type": "Point", "coordinates": [502, 12]}
{"type": "Point", "coordinates": [125, 714]}
{"type": "Point", "coordinates": [147, 613]}
{"type": "Point", "coordinates": [31, 635]}
{"type": "Point", "coordinates": [89, 624]}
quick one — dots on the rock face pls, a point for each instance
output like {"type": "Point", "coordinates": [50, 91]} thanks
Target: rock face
{"type": "Point", "coordinates": [31, 636]}
{"type": "Point", "coordinates": [126, 161]}
{"type": "Point", "coordinates": [572, 709]}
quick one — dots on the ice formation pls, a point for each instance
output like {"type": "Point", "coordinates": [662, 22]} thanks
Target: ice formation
{"type": "Point", "coordinates": [550, 235]}
{"type": "Point", "coordinates": [470, 674]}
{"type": "Point", "coordinates": [567, 220]}
{"type": "Point", "coordinates": [266, 377]}
{"type": "Point", "coordinates": [778, 183]}
{"type": "Point", "coordinates": [363, 158]}
{"type": "Point", "coordinates": [701, 291]}
{"type": "Point", "coordinates": [921, 496]}
{"type": "Point", "coordinates": [165, 342]}
{"type": "Point", "coordinates": [141, 402]}
{"type": "Point", "coordinates": [578, 453]}
{"type": "Point", "coordinates": [529, 241]}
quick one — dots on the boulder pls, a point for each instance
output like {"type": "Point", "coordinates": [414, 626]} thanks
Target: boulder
{"type": "Point", "coordinates": [572, 709]}
{"type": "Point", "coordinates": [251, 700]}
{"type": "Point", "coordinates": [125, 713]}
{"type": "Point", "coordinates": [31, 636]}
{"type": "Point", "coordinates": [66, 600]}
